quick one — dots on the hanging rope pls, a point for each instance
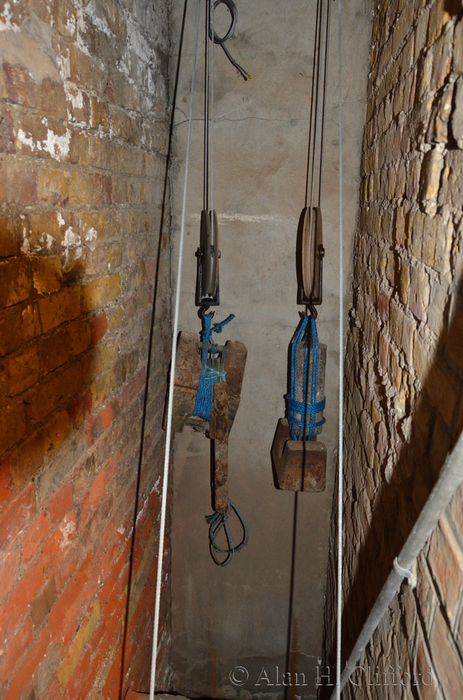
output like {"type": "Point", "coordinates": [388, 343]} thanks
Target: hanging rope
{"type": "Point", "coordinates": [341, 384]}
{"type": "Point", "coordinates": [228, 35]}
{"type": "Point", "coordinates": [218, 522]}
{"type": "Point", "coordinates": [209, 373]}
{"type": "Point", "coordinates": [165, 478]}
{"type": "Point", "coordinates": [303, 428]}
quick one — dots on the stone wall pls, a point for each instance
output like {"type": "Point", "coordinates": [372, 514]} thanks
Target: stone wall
{"type": "Point", "coordinates": [404, 362]}
{"type": "Point", "coordinates": [83, 141]}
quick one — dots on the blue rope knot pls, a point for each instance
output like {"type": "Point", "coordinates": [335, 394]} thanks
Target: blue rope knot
{"type": "Point", "coordinates": [209, 374]}
{"type": "Point", "coordinates": [307, 410]}
{"type": "Point", "coordinates": [218, 522]}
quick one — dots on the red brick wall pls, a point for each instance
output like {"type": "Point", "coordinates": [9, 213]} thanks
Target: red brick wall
{"type": "Point", "coordinates": [83, 138]}
{"type": "Point", "coordinates": [404, 363]}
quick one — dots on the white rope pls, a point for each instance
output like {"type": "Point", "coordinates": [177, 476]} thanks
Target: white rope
{"type": "Point", "coordinates": [409, 574]}
{"type": "Point", "coordinates": [341, 389]}
{"type": "Point", "coordinates": [171, 386]}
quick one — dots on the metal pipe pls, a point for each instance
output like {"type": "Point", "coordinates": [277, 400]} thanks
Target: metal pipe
{"type": "Point", "coordinates": [449, 480]}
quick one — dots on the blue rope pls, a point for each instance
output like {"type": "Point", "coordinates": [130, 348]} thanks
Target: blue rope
{"type": "Point", "coordinates": [218, 522]}
{"type": "Point", "coordinates": [306, 409]}
{"type": "Point", "coordinates": [209, 375]}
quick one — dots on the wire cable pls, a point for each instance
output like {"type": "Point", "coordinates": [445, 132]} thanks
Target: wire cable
{"type": "Point", "coordinates": [341, 388]}
{"type": "Point", "coordinates": [325, 82]}
{"type": "Point", "coordinates": [162, 527]}
{"type": "Point", "coordinates": [211, 16]}
{"type": "Point", "coordinates": [320, 97]}
{"type": "Point", "coordinates": [228, 35]}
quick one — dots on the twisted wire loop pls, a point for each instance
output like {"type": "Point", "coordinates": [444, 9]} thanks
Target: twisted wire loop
{"type": "Point", "coordinates": [228, 34]}
{"type": "Point", "coordinates": [218, 522]}
{"type": "Point", "coordinates": [209, 374]}
{"type": "Point", "coordinates": [303, 428]}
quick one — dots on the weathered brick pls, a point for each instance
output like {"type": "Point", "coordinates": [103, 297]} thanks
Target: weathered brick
{"type": "Point", "coordinates": [78, 645]}
{"type": "Point", "coordinates": [9, 244]}
{"type": "Point", "coordinates": [16, 514]}
{"type": "Point", "coordinates": [22, 371]}
{"type": "Point", "coordinates": [52, 98]}
{"type": "Point", "coordinates": [19, 684]}
{"type": "Point", "coordinates": [47, 275]}
{"type": "Point", "coordinates": [100, 291]}
{"type": "Point", "coordinates": [17, 605]}
{"type": "Point", "coordinates": [445, 658]}
{"type": "Point", "coordinates": [101, 388]}
{"type": "Point", "coordinates": [66, 615]}
{"type": "Point", "coordinates": [56, 430]}
{"type": "Point", "coordinates": [9, 568]}
{"type": "Point", "coordinates": [69, 129]}
{"type": "Point", "coordinates": [43, 602]}
{"type": "Point", "coordinates": [11, 330]}
{"type": "Point", "coordinates": [53, 351]}
{"type": "Point", "coordinates": [36, 535]}
{"type": "Point", "coordinates": [60, 307]}
{"type": "Point", "coordinates": [78, 336]}
{"type": "Point", "coordinates": [14, 650]}
{"type": "Point", "coordinates": [19, 183]}
{"type": "Point", "coordinates": [31, 321]}
{"type": "Point", "coordinates": [19, 86]}
{"type": "Point", "coordinates": [60, 502]}
{"type": "Point", "coordinates": [12, 424]}
{"type": "Point", "coordinates": [99, 326]}
{"type": "Point", "coordinates": [55, 390]}
{"type": "Point", "coordinates": [53, 185]}
{"type": "Point", "coordinates": [446, 562]}
{"type": "Point", "coordinates": [27, 457]}
{"type": "Point", "coordinates": [15, 281]}
{"type": "Point", "coordinates": [46, 229]}
{"type": "Point", "coordinates": [7, 140]}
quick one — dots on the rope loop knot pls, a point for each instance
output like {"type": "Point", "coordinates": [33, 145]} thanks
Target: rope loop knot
{"type": "Point", "coordinates": [303, 428]}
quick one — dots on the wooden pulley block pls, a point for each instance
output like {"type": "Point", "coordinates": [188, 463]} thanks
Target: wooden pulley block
{"type": "Point", "coordinates": [311, 255]}
{"type": "Point", "coordinates": [188, 372]}
{"type": "Point", "coordinates": [232, 357]}
{"type": "Point", "coordinates": [299, 465]}
{"type": "Point", "coordinates": [220, 429]}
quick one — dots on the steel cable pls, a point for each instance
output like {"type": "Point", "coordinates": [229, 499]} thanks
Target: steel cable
{"type": "Point", "coordinates": [228, 34]}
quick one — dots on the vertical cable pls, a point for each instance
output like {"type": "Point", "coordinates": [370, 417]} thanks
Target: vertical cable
{"type": "Point", "coordinates": [325, 81]}
{"type": "Point", "coordinates": [171, 385]}
{"type": "Point", "coordinates": [206, 110]}
{"type": "Point", "coordinates": [310, 154]}
{"type": "Point", "coordinates": [211, 14]}
{"type": "Point", "coordinates": [317, 103]}
{"type": "Point", "coordinates": [341, 389]}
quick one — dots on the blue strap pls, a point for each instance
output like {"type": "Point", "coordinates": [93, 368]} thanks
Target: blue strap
{"type": "Point", "coordinates": [209, 375]}
{"type": "Point", "coordinates": [307, 409]}
{"type": "Point", "coordinates": [218, 522]}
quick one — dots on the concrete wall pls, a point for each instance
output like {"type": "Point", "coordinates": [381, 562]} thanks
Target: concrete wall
{"type": "Point", "coordinates": [83, 139]}
{"type": "Point", "coordinates": [404, 380]}
{"type": "Point", "coordinates": [239, 616]}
